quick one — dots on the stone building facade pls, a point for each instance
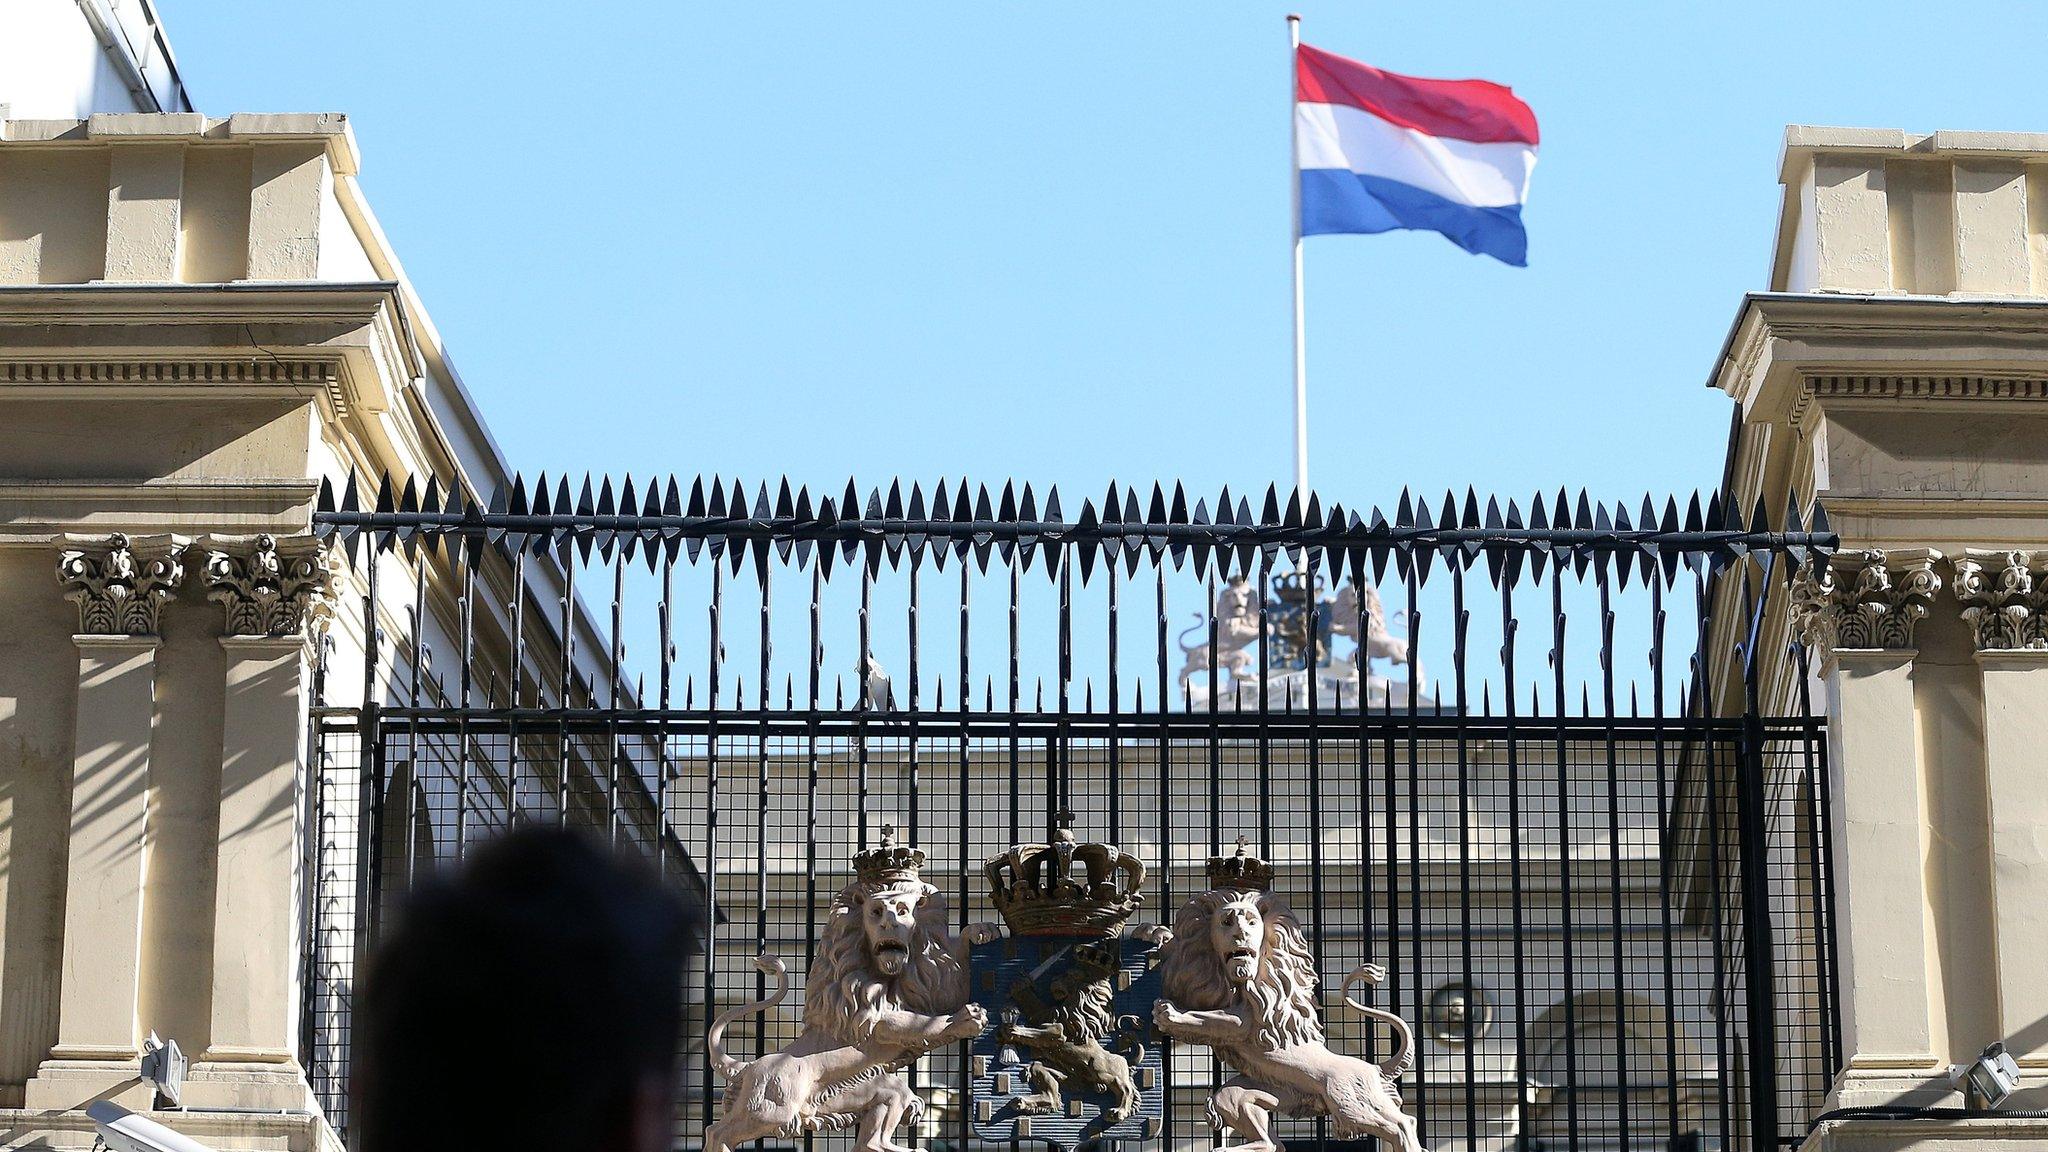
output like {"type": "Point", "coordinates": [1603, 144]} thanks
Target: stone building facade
{"type": "Point", "coordinates": [200, 319]}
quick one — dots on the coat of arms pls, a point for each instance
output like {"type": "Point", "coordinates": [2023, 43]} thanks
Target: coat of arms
{"type": "Point", "coordinates": [1070, 1056]}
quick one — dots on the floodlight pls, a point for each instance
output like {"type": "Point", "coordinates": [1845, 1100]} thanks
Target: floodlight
{"type": "Point", "coordinates": [124, 1131]}
{"type": "Point", "coordinates": [163, 1068]}
{"type": "Point", "coordinates": [1988, 1080]}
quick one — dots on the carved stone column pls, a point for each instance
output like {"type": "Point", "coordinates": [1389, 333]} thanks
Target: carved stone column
{"type": "Point", "coordinates": [120, 585]}
{"type": "Point", "coordinates": [275, 596]}
{"type": "Point", "coordinates": [2005, 600]}
{"type": "Point", "coordinates": [1858, 613]}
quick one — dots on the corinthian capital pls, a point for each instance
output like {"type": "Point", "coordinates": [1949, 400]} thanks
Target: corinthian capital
{"type": "Point", "coordinates": [2005, 597]}
{"type": "Point", "coordinates": [1866, 599]}
{"type": "Point", "coordinates": [120, 584]}
{"type": "Point", "coordinates": [270, 587]}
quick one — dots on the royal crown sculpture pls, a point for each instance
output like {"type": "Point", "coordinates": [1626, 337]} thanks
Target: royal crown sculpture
{"type": "Point", "coordinates": [1239, 976]}
{"type": "Point", "coordinates": [1065, 888]}
{"type": "Point", "coordinates": [888, 984]}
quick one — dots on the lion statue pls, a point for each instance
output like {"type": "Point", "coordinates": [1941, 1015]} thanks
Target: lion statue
{"type": "Point", "coordinates": [888, 985]}
{"type": "Point", "coordinates": [1236, 614]}
{"type": "Point", "coordinates": [1378, 641]}
{"type": "Point", "coordinates": [1238, 976]}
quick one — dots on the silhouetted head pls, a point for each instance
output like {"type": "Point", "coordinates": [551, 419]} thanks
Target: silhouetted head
{"type": "Point", "coordinates": [529, 998]}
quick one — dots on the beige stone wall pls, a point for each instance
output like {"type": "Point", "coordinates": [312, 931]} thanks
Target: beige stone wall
{"type": "Point", "coordinates": [198, 320]}
{"type": "Point", "coordinates": [38, 670]}
{"type": "Point", "coordinates": [1899, 376]}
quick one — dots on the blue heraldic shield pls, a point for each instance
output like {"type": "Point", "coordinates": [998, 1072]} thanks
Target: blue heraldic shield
{"type": "Point", "coordinates": [1070, 1056]}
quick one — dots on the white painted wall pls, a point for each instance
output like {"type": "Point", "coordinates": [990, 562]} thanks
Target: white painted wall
{"type": "Point", "coordinates": [54, 67]}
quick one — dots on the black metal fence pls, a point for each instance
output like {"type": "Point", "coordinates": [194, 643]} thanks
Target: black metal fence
{"type": "Point", "coordinates": [1604, 907]}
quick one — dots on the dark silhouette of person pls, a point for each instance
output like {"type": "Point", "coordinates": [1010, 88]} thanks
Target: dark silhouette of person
{"type": "Point", "coordinates": [530, 997]}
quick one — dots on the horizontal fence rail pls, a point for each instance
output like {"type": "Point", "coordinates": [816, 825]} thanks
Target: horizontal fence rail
{"type": "Point", "coordinates": [1594, 866]}
{"type": "Point", "coordinates": [885, 526]}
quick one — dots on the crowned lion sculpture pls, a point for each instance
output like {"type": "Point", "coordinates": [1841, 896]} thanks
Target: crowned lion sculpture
{"type": "Point", "coordinates": [1239, 977]}
{"type": "Point", "coordinates": [888, 985]}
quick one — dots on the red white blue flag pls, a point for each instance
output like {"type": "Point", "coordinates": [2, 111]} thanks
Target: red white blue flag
{"type": "Point", "coordinates": [1376, 152]}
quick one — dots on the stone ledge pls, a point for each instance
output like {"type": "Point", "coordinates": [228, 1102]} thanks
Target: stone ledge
{"type": "Point", "coordinates": [225, 1131]}
{"type": "Point", "coordinates": [1990, 1132]}
{"type": "Point", "coordinates": [330, 130]}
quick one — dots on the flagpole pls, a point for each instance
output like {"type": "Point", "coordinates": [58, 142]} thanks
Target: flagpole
{"type": "Point", "coordinates": [1300, 330]}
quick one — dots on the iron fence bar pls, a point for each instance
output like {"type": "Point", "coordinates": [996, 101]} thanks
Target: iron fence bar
{"type": "Point", "coordinates": [867, 685]}
{"type": "Point", "coordinates": [1509, 626]}
{"type": "Point", "coordinates": [1711, 805]}
{"type": "Point", "coordinates": [713, 658]}
{"type": "Point", "coordinates": [467, 625]}
{"type": "Point", "coordinates": [1265, 739]}
{"type": "Point", "coordinates": [1666, 802]}
{"type": "Point", "coordinates": [1460, 621]}
{"type": "Point", "coordinates": [1411, 582]}
{"type": "Point", "coordinates": [1366, 892]}
{"type": "Point", "coordinates": [1823, 886]}
{"type": "Point", "coordinates": [518, 676]}
{"type": "Point", "coordinates": [567, 679]}
{"type": "Point", "coordinates": [1167, 910]}
{"type": "Point", "coordinates": [664, 686]}
{"type": "Point", "coordinates": [1614, 889]}
{"type": "Point", "coordinates": [420, 656]}
{"type": "Point", "coordinates": [1215, 748]}
{"type": "Point", "coordinates": [762, 795]}
{"type": "Point", "coordinates": [1059, 766]}
{"type": "Point", "coordinates": [1564, 858]}
{"type": "Point", "coordinates": [964, 1081]}
{"type": "Point", "coordinates": [1759, 947]}
{"type": "Point", "coordinates": [811, 776]}
{"type": "Point", "coordinates": [1115, 690]}
{"type": "Point", "coordinates": [618, 670]}
{"type": "Point", "coordinates": [916, 710]}
{"type": "Point", "coordinates": [371, 803]}
{"type": "Point", "coordinates": [1016, 783]}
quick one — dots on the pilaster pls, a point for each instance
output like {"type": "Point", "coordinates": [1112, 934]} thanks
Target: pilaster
{"type": "Point", "coordinates": [1858, 611]}
{"type": "Point", "coordinates": [120, 586]}
{"type": "Point", "coordinates": [274, 595]}
{"type": "Point", "coordinates": [2005, 598]}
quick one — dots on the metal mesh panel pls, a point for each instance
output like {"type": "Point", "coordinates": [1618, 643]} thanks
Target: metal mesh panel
{"type": "Point", "coordinates": [1551, 899]}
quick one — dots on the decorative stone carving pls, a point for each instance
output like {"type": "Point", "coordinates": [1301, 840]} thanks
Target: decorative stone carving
{"type": "Point", "coordinates": [1236, 613]}
{"type": "Point", "coordinates": [1379, 641]}
{"type": "Point", "coordinates": [1300, 665]}
{"type": "Point", "coordinates": [1864, 599]}
{"type": "Point", "coordinates": [888, 985]}
{"type": "Point", "coordinates": [268, 587]}
{"type": "Point", "coordinates": [121, 585]}
{"type": "Point", "coordinates": [1068, 1062]}
{"type": "Point", "coordinates": [2005, 597]}
{"type": "Point", "coordinates": [1240, 978]}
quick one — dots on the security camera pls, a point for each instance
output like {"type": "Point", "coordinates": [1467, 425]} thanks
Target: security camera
{"type": "Point", "coordinates": [124, 1131]}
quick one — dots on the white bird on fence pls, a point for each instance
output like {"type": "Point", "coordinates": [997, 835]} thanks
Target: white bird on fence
{"type": "Point", "coordinates": [876, 693]}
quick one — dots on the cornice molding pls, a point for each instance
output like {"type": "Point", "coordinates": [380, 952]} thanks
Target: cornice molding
{"type": "Point", "coordinates": [271, 586]}
{"type": "Point", "coordinates": [2004, 597]}
{"type": "Point", "coordinates": [121, 583]}
{"type": "Point", "coordinates": [120, 379]}
{"type": "Point", "coordinates": [1825, 334]}
{"type": "Point", "coordinates": [1816, 389]}
{"type": "Point", "coordinates": [1864, 599]}
{"type": "Point", "coordinates": [250, 371]}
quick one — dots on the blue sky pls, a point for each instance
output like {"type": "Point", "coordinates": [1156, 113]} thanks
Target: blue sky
{"type": "Point", "coordinates": [1050, 240]}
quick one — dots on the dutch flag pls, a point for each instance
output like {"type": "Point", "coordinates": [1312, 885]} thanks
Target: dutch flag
{"type": "Point", "coordinates": [1375, 152]}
